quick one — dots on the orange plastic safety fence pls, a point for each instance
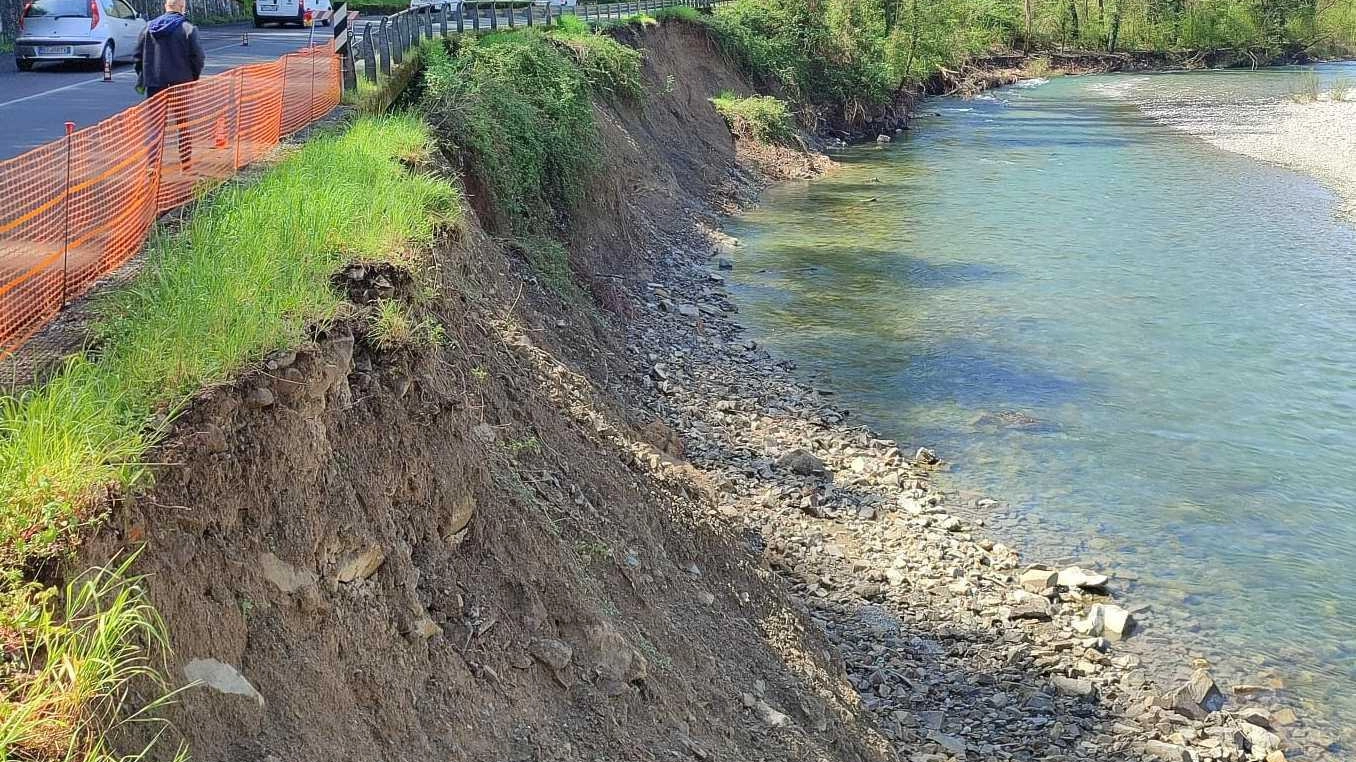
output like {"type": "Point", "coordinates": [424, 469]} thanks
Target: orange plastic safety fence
{"type": "Point", "coordinates": [79, 207]}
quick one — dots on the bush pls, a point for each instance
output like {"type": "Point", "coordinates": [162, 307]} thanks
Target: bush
{"type": "Point", "coordinates": [518, 106]}
{"type": "Point", "coordinates": [760, 117]}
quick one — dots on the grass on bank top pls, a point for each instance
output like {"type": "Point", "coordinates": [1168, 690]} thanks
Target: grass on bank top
{"type": "Point", "coordinates": [247, 275]}
{"type": "Point", "coordinates": [761, 117]}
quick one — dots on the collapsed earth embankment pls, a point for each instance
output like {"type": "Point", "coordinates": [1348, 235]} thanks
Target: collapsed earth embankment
{"type": "Point", "coordinates": [525, 493]}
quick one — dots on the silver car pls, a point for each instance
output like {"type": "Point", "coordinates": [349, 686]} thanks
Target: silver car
{"type": "Point", "coordinates": [101, 31]}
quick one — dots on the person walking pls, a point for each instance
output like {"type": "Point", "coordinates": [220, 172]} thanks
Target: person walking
{"type": "Point", "coordinates": [168, 51]}
{"type": "Point", "coordinates": [169, 54]}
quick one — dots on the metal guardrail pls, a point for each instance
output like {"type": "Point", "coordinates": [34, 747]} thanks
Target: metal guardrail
{"type": "Point", "coordinates": [384, 45]}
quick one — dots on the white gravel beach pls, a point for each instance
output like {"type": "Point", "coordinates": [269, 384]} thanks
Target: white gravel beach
{"type": "Point", "coordinates": [1317, 138]}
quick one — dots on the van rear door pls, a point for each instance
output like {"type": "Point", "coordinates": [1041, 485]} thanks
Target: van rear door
{"type": "Point", "coordinates": [278, 9]}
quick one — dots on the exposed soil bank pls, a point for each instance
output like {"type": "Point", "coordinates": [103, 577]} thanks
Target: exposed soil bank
{"type": "Point", "coordinates": [577, 535]}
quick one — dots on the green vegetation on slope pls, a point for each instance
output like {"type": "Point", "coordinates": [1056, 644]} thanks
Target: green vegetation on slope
{"type": "Point", "coordinates": [760, 117]}
{"type": "Point", "coordinates": [248, 274]}
{"type": "Point", "coordinates": [519, 106]}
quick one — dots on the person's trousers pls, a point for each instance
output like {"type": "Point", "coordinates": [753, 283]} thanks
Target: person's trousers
{"type": "Point", "coordinates": [178, 116]}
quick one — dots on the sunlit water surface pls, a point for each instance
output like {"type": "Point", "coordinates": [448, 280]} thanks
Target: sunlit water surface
{"type": "Point", "coordinates": [1145, 344]}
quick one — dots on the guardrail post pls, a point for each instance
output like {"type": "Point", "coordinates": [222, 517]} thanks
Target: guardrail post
{"type": "Point", "coordinates": [384, 47]}
{"type": "Point", "coordinates": [369, 54]}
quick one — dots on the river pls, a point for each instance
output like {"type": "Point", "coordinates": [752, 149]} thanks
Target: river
{"type": "Point", "coordinates": [1145, 346]}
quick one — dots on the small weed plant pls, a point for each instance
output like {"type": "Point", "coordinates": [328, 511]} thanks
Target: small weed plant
{"type": "Point", "coordinates": [760, 117]}
{"type": "Point", "coordinates": [69, 684]}
{"type": "Point", "coordinates": [1306, 87]}
{"type": "Point", "coordinates": [1339, 89]}
{"type": "Point", "coordinates": [393, 328]}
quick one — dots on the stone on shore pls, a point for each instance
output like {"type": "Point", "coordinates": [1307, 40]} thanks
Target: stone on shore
{"type": "Point", "coordinates": [1106, 620]}
{"type": "Point", "coordinates": [1037, 580]}
{"type": "Point", "coordinates": [801, 462]}
{"type": "Point", "coordinates": [1075, 577]}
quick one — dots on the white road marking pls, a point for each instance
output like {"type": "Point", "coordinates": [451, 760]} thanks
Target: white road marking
{"type": "Point", "coordinates": [123, 76]}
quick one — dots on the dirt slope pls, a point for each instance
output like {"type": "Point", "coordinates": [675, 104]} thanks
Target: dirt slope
{"type": "Point", "coordinates": [474, 552]}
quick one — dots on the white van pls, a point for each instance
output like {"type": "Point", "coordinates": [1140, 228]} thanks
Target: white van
{"type": "Point", "coordinates": [299, 12]}
{"type": "Point", "coordinates": [100, 31]}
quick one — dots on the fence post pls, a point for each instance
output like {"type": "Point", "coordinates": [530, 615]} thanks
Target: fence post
{"type": "Point", "coordinates": [66, 204]}
{"type": "Point", "coordinates": [475, 19]}
{"type": "Point", "coordinates": [428, 23]}
{"type": "Point", "coordinates": [239, 87]}
{"type": "Point", "coordinates": [531, 5]}
{"type": "Point", "coordinates": [461, 21]}
{"type": "Point", "coordinates": [494, 15]}
{"type": "Point", "coordinates": [511, 14]}
{"type": "Point", "coordinates": [442, 20]}
{"type": "Point", "coordinates": [397, 48]}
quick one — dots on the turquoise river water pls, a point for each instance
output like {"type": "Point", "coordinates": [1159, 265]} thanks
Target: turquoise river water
{"type": "Point", "coordinates": [1143, 344]}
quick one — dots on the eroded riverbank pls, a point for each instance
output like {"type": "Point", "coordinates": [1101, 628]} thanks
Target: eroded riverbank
{"type": "Point", "coordinates": [1048, 288]}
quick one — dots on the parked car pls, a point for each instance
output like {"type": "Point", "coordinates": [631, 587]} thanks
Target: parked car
{"type": "Point", "coordinates": [299, 12]}
{"type": "Point", "coordinates": [101, 31]}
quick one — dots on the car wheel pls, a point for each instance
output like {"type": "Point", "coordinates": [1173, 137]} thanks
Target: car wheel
{"type": "Point", "coordinates": [258, 23]}
{"type": "Point", "coordinates": [23, 65]}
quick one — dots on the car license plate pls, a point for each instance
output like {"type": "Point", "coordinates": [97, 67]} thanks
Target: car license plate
{"type": "Point", "coordinates": [54, 50]}
{"type": "Point", "coordinates": [268, 8]}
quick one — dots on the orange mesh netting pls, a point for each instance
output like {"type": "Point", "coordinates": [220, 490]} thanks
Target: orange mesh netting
{"type": "Point", "coordinates": [79, 207]}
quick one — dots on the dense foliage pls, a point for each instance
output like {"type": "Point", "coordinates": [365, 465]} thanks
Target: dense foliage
{"type": "Point", "coordinates": [856, 52]}
{"type": "Point", "coordinates": [519, 107]}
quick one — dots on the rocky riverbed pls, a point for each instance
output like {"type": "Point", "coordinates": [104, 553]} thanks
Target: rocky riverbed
{"type": "Point", "coordinates": [960, 647]}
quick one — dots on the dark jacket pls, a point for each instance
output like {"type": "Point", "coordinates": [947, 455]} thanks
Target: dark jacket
{"type": "Point", "coordinates": [168, 52]}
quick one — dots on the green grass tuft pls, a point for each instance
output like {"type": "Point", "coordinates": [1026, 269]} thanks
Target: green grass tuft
{"type": "Point", "coordinates": [69, 682]}
{"type": "Point", "coordinates": [760, 117]}
{"type": "Point", "coordinates": [678, 13]}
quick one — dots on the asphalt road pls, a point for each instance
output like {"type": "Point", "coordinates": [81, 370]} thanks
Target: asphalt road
{"type": "Point", "coordinates": [35, 106]}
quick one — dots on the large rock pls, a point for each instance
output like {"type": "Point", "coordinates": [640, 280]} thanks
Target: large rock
{"type": "Point", "coordinates": [1261, 742]}
{"type": "Point", "coordinates": [1073, 686]}
{"type": "Point", "coordinates": [221, 677]}
{"type": "Point", "coordinates": [552, 652]}
{"type": "Point", "coordinates": [1076, 577]}
{"type": "Point", "coordinates": [1024, 605]}
{"type": "Point", "coordinates": [1168, 752]}
{"type": "Point", "coordinates": [1036, 579]}
{"type": "Point", "coordinates": [801, 462]}
{"type": "Point", "coordinates": [283, 575]}
{"type": "Point", "coordinates": [1197, 698]}
{"type": "Point", "coordinates": [1106, 620]}
{"type": "Point", "coordinates": [361, 564]}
